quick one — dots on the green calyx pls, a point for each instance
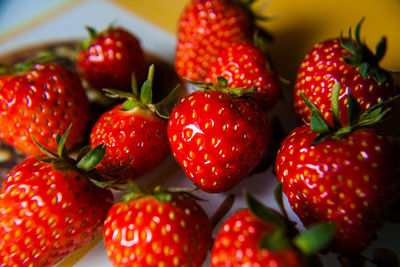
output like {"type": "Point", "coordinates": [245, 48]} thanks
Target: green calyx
{"type": "Point", "coordinates": [85, 162]}
{"type": "Point", "coordinates": [21, 67]}
{"type": "Point", "coordinates": [134, 191]}
{"type": "Point", "coordinates": [144, 98]}
{"type": "Point", "coordinates": [363, 58]}
{"type": "Point", "coordinates": [222, 86]}
{"type": "Point", "coordinates": [356, 119]}
{"type": "Point", "coordinates": [285, 236]}
{"type": "Point", "coordinates": [92, 35]}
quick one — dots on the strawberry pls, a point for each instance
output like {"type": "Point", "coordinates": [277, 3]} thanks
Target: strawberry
{"type": "Point", "coordinates": [108, 58]}
{"type": "Point", "coordinates": [218, 138]}
{"type": "Point", "coordinates": [259, 236]}
{"type": "Point", "coordinates": [49, 207]}
{"type": "Point", "coordinates": [134, 132]}
{"type": "Point", "coordinates": [38, 100]}
{"type": "Point", "coordinates": [344, 60]}
{"type": "Point", "coordinates": [345, 174]}
{"type": "Point", "coordinates": [205, 28]}
{"type": "Point", "coordinates": [246, 65]}
{"type": "Point", "coordinates": [160, 228]}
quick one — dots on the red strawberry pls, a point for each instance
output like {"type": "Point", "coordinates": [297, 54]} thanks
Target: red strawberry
{"type": "Point", "coordinates": [109, 57]}
{"type": "Point", "coordinates": [38, 101]}
{"type": "Point", "coordinates": [349, 62]}
{"type": "Point", "coordinates": [259, 236]}
{"type": "Point", "coordinates": [205, 28]}
{"type": "Point", "coordinates": [164, 228]}
{"type": "Point", "coordinates": [133, 132]}
{"type": "Point", "coordinates": [346, 174]}
{"type": "Point", "coordinates": [50, 208]}
{"type": "Point", "coordinates": [246, 65]}
{"type": "Point", "coordinates": [218, 138]}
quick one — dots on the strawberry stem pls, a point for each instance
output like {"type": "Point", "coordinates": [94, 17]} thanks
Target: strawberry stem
{"type": "Point", "coordinates": [222, 210]}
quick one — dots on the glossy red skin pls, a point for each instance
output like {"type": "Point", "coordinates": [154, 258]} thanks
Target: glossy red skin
{"type": "Point", "coordinates": [217, 139]}
{"type": "Point", "coordinates": [205, 28]}
{"type": "Point", "coordinates": [146, 231]}
{"type": "Point", "coordinates": [321, 68]}
{"type": "Point", "coordinates": [46, 214]}
{"type": "Point", "coordinates": [349, 181]}
{"type": "Point", "coordinates": [136, 139]}
{"type": "Point", "coordinates": [245, 66]}
{"type": "Point", "coordinates": [110, 60]}
{"type": "Point", "coordinates": [41, 102]}
{"type": "Point", "coordinates": [237, 244]}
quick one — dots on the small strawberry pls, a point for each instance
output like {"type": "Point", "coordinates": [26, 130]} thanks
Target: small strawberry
{"type": "Point", "coordinates": [160, 228]}
{"type": "Point", "coordinates": [109, 57]}
{"type": "Point", "coordinates": [217, 137]}
{"type": "Point", "coordinates": [38, 100]}
{"type": "Point", "coordinates": [205, 28]}
{"type": "Point", "coordinates": [345, 174]}
{"type": "Point", "coordinates": [246, 65]}
{"type": "Point", "coordinates": [344, 60]}
{"type": "Point", "coordinates": [135, 132]}
{"type": "Point", "coordinates": [49, 207]}
{"type": "Point", "coordinates": [259, 236]}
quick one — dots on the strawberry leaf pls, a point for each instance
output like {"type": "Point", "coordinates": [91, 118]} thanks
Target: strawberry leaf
{"type": "Point", "coordinates": [82, 152]}
{"type": "Point", "coordinates": [275, 241]}
{"type": "Point", "coordinates": [318, 123]}
{"type": "Point", "coordinates": [135, 89]}
{"type": "Point", "coordinates": [364, 69]}
{"type": "Point", "coordinates": [43, 149]}
{"type": "Point", "coordinates": [62, 151]}
{"type": "Point", "coordinates": [363, 58]}
{"type": "Point", "coordinates": [112, 93]}
{"type": "Point", "coordinates": [357, 33]}
{"type": "Point", "coordinates": [335, 106]}
{"type": "Point", "coordinates": [222, 82]}
{"type": "Point", "coordinates": [262, 212]}
{"type": "Point", "coordinates": [92, 158]}
{"type": "Point", "coordinates": [162, 107]}
{"type": "Point", "coordinates": [146, 94]}
{"type": "Point", "coordinates": [380, 49]}
{"type": "Point", "coordinates": [130, 104]}
{"type": "Point", "coordinates": [379, 75]}
{"type": "Point", "coordinates": [354, 109]}
{"type": "Point", "coordinates": [278, 194]}
{"type": "Point", "coordinates": [315, 238]}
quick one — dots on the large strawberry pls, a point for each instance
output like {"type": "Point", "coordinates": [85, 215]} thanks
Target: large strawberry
{"type": "Point", "coordinates": [344, 60]}
{"type": "Point", "coordinates": [217, 137]}
{"type": "Point", "coordinates": [346, 174]}
{"type": "Point", "coordinates": [160, 228]}
{"type": "Point", "coordinates": [134, 132]}
{"type": "Point", "coordinates": [49, 208]}
{"type": "Point", "coordinates": [108, 58]}
{"type": "Point", "coordinates": [38, 100]}
{"type": "Point", "coordinates": [246, 65]}
{"type": "Point", "coordinates": [205, 28]}
{"type": "Point", "coordinates": [259, 236]}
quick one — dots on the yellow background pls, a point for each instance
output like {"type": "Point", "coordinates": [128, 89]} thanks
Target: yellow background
{"type": "Point", "coordinates": [298, 24]}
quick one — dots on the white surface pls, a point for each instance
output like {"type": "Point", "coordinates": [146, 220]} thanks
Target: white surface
{"type": "Point", "coordinates": [98, 14]}
{"type": "Point", "coordinates": [70, 25]}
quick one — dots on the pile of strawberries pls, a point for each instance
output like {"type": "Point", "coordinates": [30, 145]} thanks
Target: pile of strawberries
{"type": "Point", "coordinates": [338, 171]}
